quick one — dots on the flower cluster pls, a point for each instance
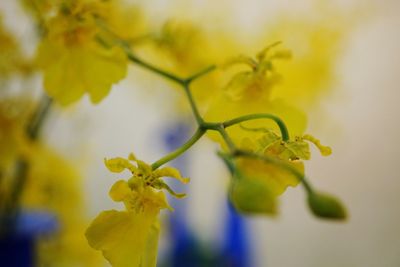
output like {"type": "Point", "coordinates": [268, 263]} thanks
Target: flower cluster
{"type": "Point", "coordinates": [84, 47]}
{"type": "Point", "coordinates": [130, 237]}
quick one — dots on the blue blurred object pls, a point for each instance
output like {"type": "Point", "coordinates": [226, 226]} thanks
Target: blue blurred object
{"type": "Point", "coordinates": [236, 247]}
{"type": "Point", "coordinates": [185, 248]}
{"type": "Point", "coordinates": [17, 246]}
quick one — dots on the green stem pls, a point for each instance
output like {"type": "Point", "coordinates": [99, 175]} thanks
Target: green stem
{"type": "Point", "coordinates": [200, 74]}
{"type": "Point", "coordinates": [279, 122]}
{"type": "Point", "coordinates": [155, 69]}
{"type": "Point", "coordinates": [227, 139]}
{"type": "Point", "coordinates": [280, 163]}
{"type": "Point", "coordinates": [38, 118]}
{"type": "Point", "coordinates": [193, 106]}
{"type": "Point", "coordinates": [176, 153]}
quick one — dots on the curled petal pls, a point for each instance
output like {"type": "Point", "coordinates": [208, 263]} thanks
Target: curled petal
{"type": "Point", "coordinates": [119, 164]}
{"type": "Point", "coordinates": [170, 172]}
{"type": "Point", "coordinates": [161, 185]}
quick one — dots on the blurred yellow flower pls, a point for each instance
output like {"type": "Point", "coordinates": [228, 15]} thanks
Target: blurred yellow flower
{"type": "Point", "coordinates": [250, 92]}
{"type": "Point", "coordinates": [180, 46]}
{"type": "Point", "coordinates": [54, 185]}
{"type": "Point", "coordinates": [130, 238]}
{"type": "Point", "coordinates": [14, 112]}
{"type": "Point", "coordinates": [11, 59]}
{"type": "Point", "coordinates": [316, 42]}
{"type": "Point", "coordinates": [73, 60]}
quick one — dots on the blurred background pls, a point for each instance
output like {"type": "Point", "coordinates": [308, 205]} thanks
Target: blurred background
{"type": "Point", "coordinates": [357, 116]}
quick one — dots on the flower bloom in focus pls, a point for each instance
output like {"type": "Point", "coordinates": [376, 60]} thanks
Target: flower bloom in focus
{"type": "Point", "coordinates": [257, 184]}
{"type": "Point", "coordinates": [129, 238]}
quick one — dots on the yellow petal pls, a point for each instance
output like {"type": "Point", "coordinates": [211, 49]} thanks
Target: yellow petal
{"type": "Point", "coordinates": [150, 256]}
{"type": "Point", "coordinates": [132, 157]}
{"type": "Point", "coordinates": [120, 190]}
{"type": "Point", "coordinates": [123, 237]}
{"type": "Point", "coordinates": [69, 72]}
{"type": "Point", "coordinates": [144, 167]}
{"type": "Point", "coordinates": [162, 185]}
{"type": "Point", "coordinates": [61, 72]}
{"type": "Point", "coordinates": [276, 178]}
{"type": "Point", "coordinates": [153, 199]}
{"type": "Point", "coordinates": [119, 164]}
{"type": "Point", "coordinates": [101, 69]}
{"type": "Point", "coordinates": [170, 172]}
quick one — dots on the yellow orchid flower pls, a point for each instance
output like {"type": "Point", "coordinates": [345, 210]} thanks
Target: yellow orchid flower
{"type": "Point", "coordinates": [249, 92]}
{"type": "Point", "coordinates": [73, 60]}
{"type": "Point", "coordinates": [258, 82]}
{"type": "Point", "coordinates": [129, 238]}
{"type": "Point", "coordinates": [256, 183]}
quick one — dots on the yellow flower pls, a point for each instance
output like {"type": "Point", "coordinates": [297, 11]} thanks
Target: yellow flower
{"type": "Point", "coordinates": [250, 92]}
{"type": "Point", "coordinates": [14, 112]}
{"type": "Point", "coordinates": [129, 238]}
{"type": "Point", "coordinates": [180, 46]}
{"type": "Point", "coordinates": [11, 59]}
{"type": "Point", "coordinates": [256, 183]}
{"type": "Point", "coordinates": [73, 60]}
{"type": "Point", "coordinates": [316, 43]}
{"type": "Point", "coordinates": [54, 185]}
{"type": "Point", "coordinates": [259, 81]}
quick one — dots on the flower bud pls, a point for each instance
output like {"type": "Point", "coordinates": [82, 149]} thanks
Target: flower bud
{"type": "Point", "coordinates": [326, 206]}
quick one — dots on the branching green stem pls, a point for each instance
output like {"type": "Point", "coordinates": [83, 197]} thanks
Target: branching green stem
{"type": "Point", "coordinates": [229, 142]}
{"type": "Point", "coordinates": [155, 69]}
{"type": "Point", "coordinates": [220, 127]}
{"type": "Point", "coordinates": [193, 106]}
{"type": "Point", "coordinates": [200, 74]}
{"type": "Point", "coordinates": [279, 122]}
